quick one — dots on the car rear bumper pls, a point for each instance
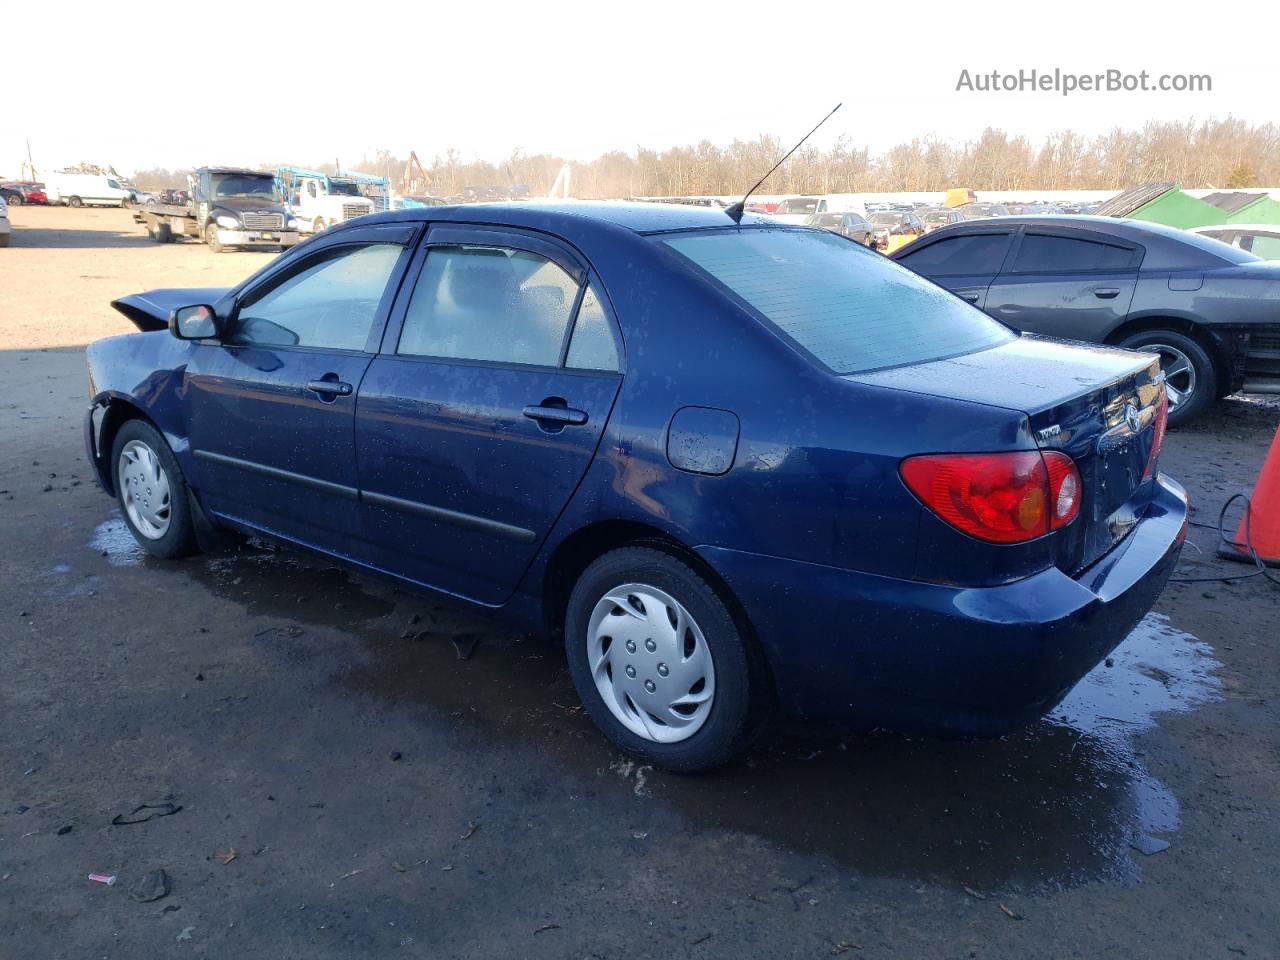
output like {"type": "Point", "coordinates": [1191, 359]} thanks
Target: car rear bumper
{"type": "Point", "coordinates": [874, 650]}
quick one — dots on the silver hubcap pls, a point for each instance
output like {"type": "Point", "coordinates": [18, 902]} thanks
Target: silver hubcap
{"type": "Point", "coordinates": [650, 663]}
{"type": "Point", "coordinates": [144, 490]}
{"type": "Point", "coordinates": [1179, 372]}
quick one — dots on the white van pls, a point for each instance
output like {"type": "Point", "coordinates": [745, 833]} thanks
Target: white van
{"type": "Point", "coordinates": [83, 189]}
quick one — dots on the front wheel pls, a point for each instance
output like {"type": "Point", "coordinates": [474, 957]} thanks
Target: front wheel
{"type": "Point", "coordinates": [16, 200]}
{"type": "Point", "coordinates": [1190, 377]}
{"type": "Point", "coordinates": [151, 491]}
{"type": "Point", "coordinates": [211, 238]}
{"type": "Point", "coordinates": [318, 225]}
{"type": "Point", "coordinates": [76, 202]}
{"type": "Point", "coordinates": [658, 661]}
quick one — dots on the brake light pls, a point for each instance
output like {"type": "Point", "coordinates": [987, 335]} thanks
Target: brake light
{"type": "Point", "coordinates": [1157, 438]}
{"type": "Point", "coordinates": [997, 497]}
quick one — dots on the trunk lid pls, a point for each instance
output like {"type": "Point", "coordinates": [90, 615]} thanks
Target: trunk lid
{"type": "Point", "coordinates": [1096, 404]}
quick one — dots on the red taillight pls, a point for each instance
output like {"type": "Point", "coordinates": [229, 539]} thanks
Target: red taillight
{"type": "Point", "coordinates": [998, 497]}
{"type": "Point", "coordinates": [1157, 438]}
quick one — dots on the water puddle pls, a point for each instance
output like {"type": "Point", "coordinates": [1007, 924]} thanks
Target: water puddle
{"type": "Point", "coordinates": [114, 541]}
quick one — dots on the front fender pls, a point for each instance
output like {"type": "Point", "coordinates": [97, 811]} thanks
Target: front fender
{"type": "Point", "coordinates": [141, 374]}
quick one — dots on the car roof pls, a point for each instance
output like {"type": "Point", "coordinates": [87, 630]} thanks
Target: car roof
{"type": "Point", "coordinates": [557, 216]}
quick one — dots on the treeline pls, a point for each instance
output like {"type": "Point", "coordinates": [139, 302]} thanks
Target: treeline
{"type": "Point", "coordinates": [1211, 153]}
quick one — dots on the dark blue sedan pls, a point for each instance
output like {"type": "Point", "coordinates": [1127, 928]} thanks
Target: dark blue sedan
{"type": "Point", "coordinates": [742, 468]}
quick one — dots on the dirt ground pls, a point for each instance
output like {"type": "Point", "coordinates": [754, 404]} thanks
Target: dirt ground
{"type": "Point", "coordinates": [351, 786]}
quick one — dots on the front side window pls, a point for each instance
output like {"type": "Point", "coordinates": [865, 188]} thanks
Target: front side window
{"type": "Point", "coordinates": [332, 302]}
{"type": "Point", "coordinates": [960, 256]}
{"type": "Point", "coordinates": [489, 303]}
{"type": "Point", "coordinates": [852, 309]}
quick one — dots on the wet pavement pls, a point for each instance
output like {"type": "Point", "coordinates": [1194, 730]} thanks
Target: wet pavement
{"type": "Point", "coordinates": [1065, 802]}
{"type": "Point", "coordinates": [397, 776]}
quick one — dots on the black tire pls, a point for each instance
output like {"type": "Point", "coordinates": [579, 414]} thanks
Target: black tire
{"type": "Point", "coordinates": [4, 239]}
{"type": "Point", "coordinates": [163, 233]}
{"type": "Point", "coordinates": [75, 202]}
{"type": "Point", "coordinates": [179, 540]}
{"type": "Point", "coordinates": [728, 726]}
{"type": "Point", "coordinates": [211, 237]}
{"type": "Point", "coordinates": [1203, 387]}
{"type": "Point", "coordinates": [15, 200]}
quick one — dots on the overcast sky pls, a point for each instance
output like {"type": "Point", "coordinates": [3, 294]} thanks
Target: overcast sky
{"type": "Point", "coordinates": [142, 84]}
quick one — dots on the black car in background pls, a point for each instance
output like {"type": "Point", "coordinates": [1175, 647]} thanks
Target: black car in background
{"type": "Point", "coordinates": [1211, 311]}
{"type": "Point", "coordinates": [851, 225]}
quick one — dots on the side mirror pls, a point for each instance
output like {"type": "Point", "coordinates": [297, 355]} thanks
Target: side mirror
{"type": "Point", "coordinates": [197, 322]}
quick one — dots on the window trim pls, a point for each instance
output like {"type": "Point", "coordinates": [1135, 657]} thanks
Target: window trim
{"type": "Point", "coordinates": [453, 233]}
{"type": "Point", "coordinates": [1137, 252]}
{"type": "Point", "coordinates": [278, 278]}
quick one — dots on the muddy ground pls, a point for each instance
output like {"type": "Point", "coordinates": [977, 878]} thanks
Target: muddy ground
{"type": "Point", "coordinates": [374, 794]}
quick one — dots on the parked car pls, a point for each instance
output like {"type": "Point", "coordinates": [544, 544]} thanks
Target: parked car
{"type": "Point", "coordinates": [1260, 239]}
{"type": "Point", "coordinates": [1212, 312]}
{"type": "Point", "coordinates": [892, 229]}
{"type": "Point", "coordinates": [799, 209]}
{"type": "Point", "coordinates": [851, 225]}
{"type": "Point", "coordinates": [978, 210]}
{"type": "Point", "coordinates": [935, 218]}
{"type": "Point", "coordinates": [420, 200]}
{"type": "Point", "coordinates": [19, 192]}
{"type": "Point", "coordinates": [173, 197]}
{"type": "Point", "coordinates": [524, 407]}
{"type": "Point", "coordinates": [5, 229]}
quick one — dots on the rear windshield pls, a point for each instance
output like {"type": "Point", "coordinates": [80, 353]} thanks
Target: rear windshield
{"type": "Point", "coordinates": [851, 308]}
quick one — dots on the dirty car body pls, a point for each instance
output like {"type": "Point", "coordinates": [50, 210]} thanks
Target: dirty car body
{"type": "Point", "coordinates": [672, 397]}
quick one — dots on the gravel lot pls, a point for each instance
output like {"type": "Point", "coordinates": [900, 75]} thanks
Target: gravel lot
{"type": "Point", "coordinates": [376, 794]}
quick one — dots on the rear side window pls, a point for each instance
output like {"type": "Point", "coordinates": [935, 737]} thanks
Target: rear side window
{"type": "Point", "coordinates": [1040, 253]}
{"type": "Point", "coordinates": [959, 256]}
{"type": "Point", "coordinates": [489, 303]}
{"type": "Point", "coordinates": [852, 309]}
{"type": "Point", "coordinates": [592, 346]}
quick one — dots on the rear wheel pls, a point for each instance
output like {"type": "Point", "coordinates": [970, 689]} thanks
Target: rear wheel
{"type": "Point", "coordinates": [658, 661]}
{"type": "Point", "coordinates": [1189, 373]}
{"type": "Point", "coordinates": [16, 200]}
{"type": "Point", "coordinates": [76, 202]}
{"type": "Point", "coordinates": [151, 491]}
{"type": "Point", "coordinates": [163, 233]}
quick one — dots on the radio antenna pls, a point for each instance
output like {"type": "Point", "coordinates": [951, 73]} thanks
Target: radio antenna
{"type": "Point", "coordinates": [736, 211]}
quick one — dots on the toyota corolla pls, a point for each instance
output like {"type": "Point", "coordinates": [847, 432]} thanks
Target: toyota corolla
{"type": "Point", "coordinates": [743, 470]}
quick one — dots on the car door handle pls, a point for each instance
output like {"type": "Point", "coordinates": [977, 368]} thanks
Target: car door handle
{"type": "Point", "coordinates": [563, 415]}
{"type": "Point", "coordinates": [1106, 293]}
{"type": "Point", "coordinates": [330, 388]}
{"type": "Point", "coordinates": [970, 297]}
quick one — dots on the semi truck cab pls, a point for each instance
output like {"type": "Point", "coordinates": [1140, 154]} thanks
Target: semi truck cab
{"type": "Point", "coordinates": [319, 201]}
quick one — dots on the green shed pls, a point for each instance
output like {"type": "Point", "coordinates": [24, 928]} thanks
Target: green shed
{"type": "Point", "coordinates": [1162, 203]}
{"type": "Point", "coordinates": [1241, 206]}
